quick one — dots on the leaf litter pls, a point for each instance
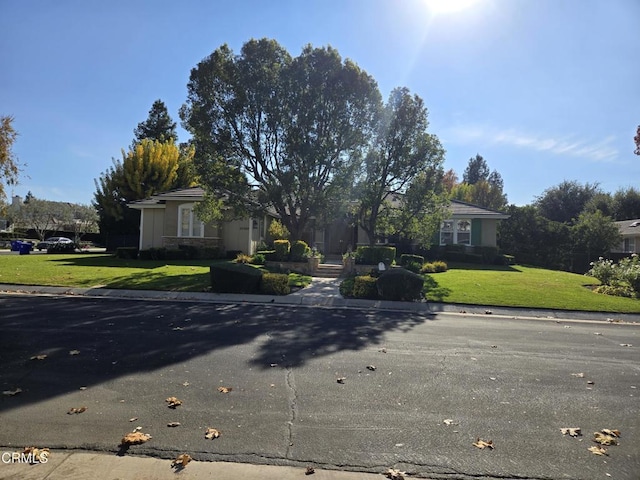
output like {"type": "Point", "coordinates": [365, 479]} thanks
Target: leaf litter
{"type": "Point", "coordinates": [571, 431]}
{"type": "Point", "coordinates": [135, 438]}
{"type": "Point", "coordinates": [211, 433]}
{"type": "Point", "coordinates": [181, 461]}
{"type": "Point", "coordinates": [76, 410]}
{"type": "Point", "coordinates": [173, 402]}
{"type": "Point", "coordinates": [482, 444]}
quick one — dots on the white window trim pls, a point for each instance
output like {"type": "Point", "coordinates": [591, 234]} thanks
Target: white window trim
{"type": "Point", "coordinates": [455, 230]}
{"type": "Point", "coordinates": [192, 218]}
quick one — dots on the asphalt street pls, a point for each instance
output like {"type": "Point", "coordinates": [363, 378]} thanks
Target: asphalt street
{"type": "Point", "coordinates": [416, 390]}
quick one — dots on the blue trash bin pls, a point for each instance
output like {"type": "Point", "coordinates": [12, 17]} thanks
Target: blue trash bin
{"type": "Point", "coordinates": [15, 245]}
{"type": "Point", "coordinates": [25, 248]}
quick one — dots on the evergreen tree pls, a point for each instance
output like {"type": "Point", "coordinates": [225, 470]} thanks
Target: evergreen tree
{"type": "Point", "coordinates": [158, 126]}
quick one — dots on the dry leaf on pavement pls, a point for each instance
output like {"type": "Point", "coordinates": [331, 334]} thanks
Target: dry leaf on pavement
{"type": "Point", "coordinates": [604, 439]}
{"type": "Point", "coordinates": [622, 345]}
{"type": "Point", "coordinates": [371, 367]}
{"type": "Point", "coordinates": [74, 352]}
{"type": "Point", "coordinates": [38, 357]}
{"type": "Point", "coordinates": [613, 433]}
{"type": "Point", "coordinates": [341, 379]}
{"type": "Point", "coordinates": [173, 402]}
{"type": "Point", "coordinates": [225, 389]}
{"type": "Point", "coordinates": [37, 454]}
{"type": "Point", "coordinates": [450, 421]}
{"type": "Point", "coordinates": [395, 474]}
{"type": "Point", "coordinates": [173, 424]}
{"type": "Point", "coordinates": [309, 471]}
{"type": "Point", "coordinates": [211, 433]}
{"type": "Point", "coordinates": [579, 375]}
{"type": "Point", "coordinates": [482, 444]}
{"type": "Point", "coordinates": [76, 410]}
{"type": "Point", "coordinates": [598, 450]}
{"type": "Point", "coordinates": [182, 460]}
{"type": "Point", "coordinates": [11, 393]}
{"type": "Point", "coordinates": [135, 438]}
{"type": "Point", "coordinates": [572, 431]}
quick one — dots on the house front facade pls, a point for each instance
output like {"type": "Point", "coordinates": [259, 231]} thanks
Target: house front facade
{"type": "Point", "coordinates": [630, 232]}
{"type": "Point", "coordinates": [168, 220]}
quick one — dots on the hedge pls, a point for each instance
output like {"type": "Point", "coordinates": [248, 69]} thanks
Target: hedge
{"type": "Point", "coordinates": [364, 286]}
{"type": "Point", "coordinates": [400, 284]}
{"type": "Point", "coordinates": [406, 259]}
{"type": "Point", "coordinates": [373, 255]}
{"type": "Point", "coordinates": [275, 284]}
{"type": "Point", "coordinates": [281, 248]}
{"type": "Point", "coordinates": [299, 251]}
{"type": "Point", "coordinates": [234, 278]}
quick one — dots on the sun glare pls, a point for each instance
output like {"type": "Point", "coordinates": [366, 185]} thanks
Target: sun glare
{"type": "Point", "coordinates": [448, 6]}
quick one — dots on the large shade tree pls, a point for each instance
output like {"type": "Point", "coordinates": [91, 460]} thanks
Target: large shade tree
{"type": "Point", "coordinates": [402, 155]}
{"type": "Point", "coordinates": [9, 165]}
{"type": "Point", "coordinates": [275, 131]}
{"type": "Point", "coordinates": [565, 201]}
{"type": "Point", "coordinates": [480, 185]}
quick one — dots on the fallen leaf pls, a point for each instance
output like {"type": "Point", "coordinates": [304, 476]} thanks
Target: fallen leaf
{"type": "Point", "coordinates": [572, 431]}
{"type": "Point", "coordinates": [597, 333]}
{"type": "Point", "coordinates": [135, 438]}
{"type": "Point", "coordinates": [309, 471]}
{"type": "Point", "coordinates": [449, 421]}
{"type": "Point", "coordinates": [74, 352]}
{"type": "Point", "coordinates": [597, 450]}
{"type": "Point", "coordinates": [604, 439]}
{"type": "Point", "coordinates": [76, 410]}
{"type": "Point", "coordinates": [341, 379]}
{"type": "Point", "coordinates": [38, 357]}
{"type": "Point", "coordinates": [173, 424]}
{"type": "Point", "coordinates": [590, 382]}
{"type": "Point", "coordinates": [186, 384]}
{"type": "Point", "coordinates": [383, 350]}
{"type": "Point", "coordinates": [395, 474]}
{"type": "Point", "coordinates": [225, 389]}
{"type": "Point", "coordinates": [173, 402]}
{"type": "Point", "coordinates": [482, 444]}
{"type": "Point", "coordinates": [11, 393]}
{"type": "Point", "coordinates": [83, 388]}
{"type": "Point", "coordinates": [579, 375]}
{"type": "Point", "coordinates": [37, 454]}
{"type": "Point", "coordinates": [133, 419]}
{"type": "Point", "coordinates": [137, 429]}
{"type": "Point", "coordinates": [371, 367]}
{"type": "Point", "coordinates": [494, 346]}
{"type": "Point", "coordinates": [182, 460]}
{"type": "Point", "coordinates": [613, 433]}
{"type": "Point", "coordinates": [211, 433]}
{"type": "Point", "coordinates": [622, 345]}
{"type": "Point", "coordinates": [488, 312]}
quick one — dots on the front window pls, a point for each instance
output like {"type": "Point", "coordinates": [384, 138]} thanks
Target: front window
{"type": "Point", "coordinates": [189, 225]}
{"type": "Point", "coordinates": [455, 232]}
{"type": "Point", "coordinates": [629, 245]}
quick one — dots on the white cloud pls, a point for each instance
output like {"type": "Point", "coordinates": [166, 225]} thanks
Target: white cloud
{"type": "Point", "coordinates": [602, 151]}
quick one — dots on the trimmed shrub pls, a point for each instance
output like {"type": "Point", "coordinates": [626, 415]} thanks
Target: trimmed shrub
{"type": "Point", "coordinates": [277, 230]}
{"type": "Point", "coordinates": [62, 248]}
{"type": "Point", "coordinates": [413, 267]}
{"type": "Point", "coordinates": [234, 278]}
{"type": "Point", "coordinates": [152, 254]}
{"type": "Point", "coordinates": [275, 284]}
{"type": "Point", "coordinates": [346, 287]}
{"type": "Point", "coordinates": [400, 284]}
{"type": "Point", "coordinates": [428, 268]}
{"type": "Point", "coordinates": [299, 251]}
{"type": "Point", "coordinates": [374, 255]}
{"type": "Point", "coordinates": [281, 248]}
{"type": "Point", "coordinates": [257, 259]}
{"type": "Point", "coordinates": [615, 290]}
{"type": "Point", "coordinates": [364, 286]}
{"type": "Point", "coordinates": [406, 259]}
{"type": "Point", "coordinates": [243, 258]}
{"type": "Point", "coordinates": [440, 266]}
{"type": "Point", "coordinates": [127, 253]}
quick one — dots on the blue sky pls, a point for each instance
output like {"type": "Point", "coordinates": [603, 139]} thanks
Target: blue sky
{"type": "Point", "coordinates": [544, 90]}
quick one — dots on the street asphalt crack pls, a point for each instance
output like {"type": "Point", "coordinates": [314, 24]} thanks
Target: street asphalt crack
{"type": "Point", "coordinates": [293, 408]}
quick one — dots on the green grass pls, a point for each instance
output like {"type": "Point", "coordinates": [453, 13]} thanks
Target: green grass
{"type": "Point", "coordinates": [519, 286]}
{"type": "Point", "coordinates": [101, 270]}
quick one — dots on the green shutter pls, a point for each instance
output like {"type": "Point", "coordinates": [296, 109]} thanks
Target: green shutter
{"type": "Point", "coordinates": [476, 231]}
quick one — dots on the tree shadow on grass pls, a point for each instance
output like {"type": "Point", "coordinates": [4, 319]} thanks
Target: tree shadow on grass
{"type": "Point", "coordinates": [117, 337]}
{"type": "Point", "coordinates": [433, 291]}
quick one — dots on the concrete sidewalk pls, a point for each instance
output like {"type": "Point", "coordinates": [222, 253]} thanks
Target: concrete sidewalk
{"type": "Point", "coordinates": [65, 465]}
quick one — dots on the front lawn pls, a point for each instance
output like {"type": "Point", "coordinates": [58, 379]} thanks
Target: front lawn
{"type": "Point", "coordinates": [519, 286]}
{"type": "Point", "coordinates": [102, 270]}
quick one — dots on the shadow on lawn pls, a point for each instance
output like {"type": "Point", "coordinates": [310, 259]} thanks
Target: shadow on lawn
{"type": "Point", "coordinates": [483, 266]}
{"type": "Point", "coordinates": [433, 291]}
{"type": "Point", "coordinates": [117, 337]}
{"type": "Point", "coordinates": [107, 260]}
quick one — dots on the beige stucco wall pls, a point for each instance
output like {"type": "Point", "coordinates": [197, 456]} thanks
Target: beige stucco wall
{"type": "Point", "coordinates": [489, 231]}
{"type": "Point", "coordinates": [152, 228]}
{"type": "Point", "coordinates": [235, 235]}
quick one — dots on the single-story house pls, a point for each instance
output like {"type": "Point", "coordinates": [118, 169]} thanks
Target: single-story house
{"type": "Point", "coordinates": [169, 220]}
{"type": "Point", "coordinates": [630, 231]}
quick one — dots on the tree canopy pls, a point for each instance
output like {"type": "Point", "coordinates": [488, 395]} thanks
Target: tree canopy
{"type": "Point", "coordinates": [565, 201]}
{"type": "Point", "coordinates": [480, 186]}
{"type": "Point", "coordinates": [158, 126]}
{"type": "Point", "coordinates": [400, 151]}
{"type": "Point", "coordinates": [9, 165]}
{"type": "Point", "coordinates": [284, 132]}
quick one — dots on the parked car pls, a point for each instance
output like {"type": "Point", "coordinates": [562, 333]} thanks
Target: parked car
{"type": "Point", "coordinates": [57, 244]}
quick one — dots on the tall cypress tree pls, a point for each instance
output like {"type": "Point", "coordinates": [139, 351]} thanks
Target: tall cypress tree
{"type": "Point", "coordinates": [158, 126]}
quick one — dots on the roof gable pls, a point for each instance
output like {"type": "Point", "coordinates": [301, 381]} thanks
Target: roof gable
{"type": "Point", "coordinates": [629, 227]}
{"type": "Point", "coordinates": [459, 209]}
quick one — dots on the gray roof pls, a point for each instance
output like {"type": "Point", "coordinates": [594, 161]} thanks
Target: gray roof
{"type": "Point", "coordinates": [460, 209]}
{"type": "Point", "coordinates": [629, 227]}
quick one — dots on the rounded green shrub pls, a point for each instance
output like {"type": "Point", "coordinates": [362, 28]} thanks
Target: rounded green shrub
{"type": "Point", "coordinates": [275, 284]}
{"type": "Point", "coordinates": [428, 268]}
{"type": "Point", "coordinates": [440, 266]}
{"type": "Point", "coordinates": [400, 285]}
{"type": "Point", "coordinates": [234, 278]}
{"type": "Point", "coordinates": [406, 259]}
{"type": "Point", "coordinates": [299, 251]}
{"type": "Point", "coordinates": [364, 286]}
{"type": "Point", "coordinates": [282, 248]}
{"type": "Point", "coordinates": [346, 287]}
